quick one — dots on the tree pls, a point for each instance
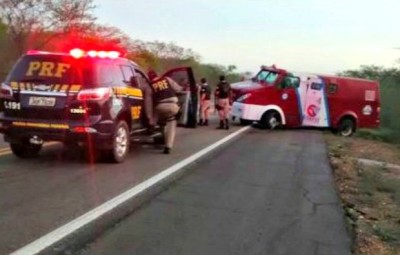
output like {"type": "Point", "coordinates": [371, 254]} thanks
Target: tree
{"type": "Point", "coordinates": [44, 20]}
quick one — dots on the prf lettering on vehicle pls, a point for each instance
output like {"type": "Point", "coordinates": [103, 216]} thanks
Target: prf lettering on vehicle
{"type": "Point", "coordinates": [47, 69]}
{"type": "Point", "coordinates": [161, 85]}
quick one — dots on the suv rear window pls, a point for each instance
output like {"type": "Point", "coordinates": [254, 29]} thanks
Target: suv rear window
{"type": "Point", "coordinates": [62, 69]}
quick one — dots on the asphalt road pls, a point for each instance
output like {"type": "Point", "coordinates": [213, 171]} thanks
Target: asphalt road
{"type": "Point", "coordinates": [267, 193]}
{"type": "Point", "coordinates": [42, 194]}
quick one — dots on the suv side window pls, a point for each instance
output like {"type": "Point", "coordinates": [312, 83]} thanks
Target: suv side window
{"type": "Point", "coordinates": [127, 72]}
{"type": "Point", "coordinates": [143, 81]}
{"type": "Point", "coordinates": [103, 74]}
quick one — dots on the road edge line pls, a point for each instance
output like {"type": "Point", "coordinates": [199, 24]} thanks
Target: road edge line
{"type": "Point", "coordinates": [57, 235]}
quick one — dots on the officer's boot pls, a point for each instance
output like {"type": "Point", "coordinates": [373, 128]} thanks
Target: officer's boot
{"type": "Point", "coordinates": [200, 122]}
{"type": "Point", "coordinates": [221, 124]}
{"type": "Point", "coordinates": [205, 123]}
{"type": "Point", "coordinates": [226, 124]}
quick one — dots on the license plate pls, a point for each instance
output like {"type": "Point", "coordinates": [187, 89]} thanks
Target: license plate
{"type": "Point", "coordinates": [42, 101]}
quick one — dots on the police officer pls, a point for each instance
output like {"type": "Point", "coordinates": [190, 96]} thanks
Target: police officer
{"type": "Point", "coordinates": [205, 102]}
{"type": "Point", "coordinates": [222, 102]}
{"type": "Point", "coordinates": [165, 105]}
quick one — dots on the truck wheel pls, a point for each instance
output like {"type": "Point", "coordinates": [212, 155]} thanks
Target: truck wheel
{"type": "Point", "coordinates": [244, 122]}
{"type": "Point", "coordinates": [25, 150]}
{"type": "Point", "coordinates": [121, 143]}
{"type": "Point", "coordinates": [347, 127]}
{"type": "Point", "coordinates": [270, 120]}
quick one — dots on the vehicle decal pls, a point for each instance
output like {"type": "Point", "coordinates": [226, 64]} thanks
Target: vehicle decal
{"type": "Point", "coordinates": [135, 112]}
{"type": "Point", "coordinates": [328, 117]}
{"type": "Point", "coordinates": [26, 87]}
{"type": "Point", "coordinates": [12, 105]}
{"type": "Point", "coordinates": [40, 125]}
{"type": "Point", "coordinates": [299, 105]}
{"type": "Point", "coordinates": [75, 88]}
{"type": "Point", "coordinates": [79, 110]}
{"type": "Point", "coordinates": [313, 101]}
{"type": "Point", "coordinates": [47, 69]}
{"type": "Point", "coordinates": [128, 92]}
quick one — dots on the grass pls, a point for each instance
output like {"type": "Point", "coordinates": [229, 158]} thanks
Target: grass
{"type": "Point", "coordinates": [382, 134]}
{"type": "Point", "coordinates": [370, 194]}
{"type": "Point", "coordinates": [373, 180]}
{"type": "Point", "coordinates": [387, 233]}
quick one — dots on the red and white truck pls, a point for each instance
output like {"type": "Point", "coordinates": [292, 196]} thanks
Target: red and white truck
{"type": "Point", "coordinates": [276, 97]}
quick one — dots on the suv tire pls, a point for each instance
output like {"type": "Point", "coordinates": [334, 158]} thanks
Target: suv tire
{"type": "Point", "coordinates": [25, 150]}
{"type": "Point", "coordinates": [121, 143]}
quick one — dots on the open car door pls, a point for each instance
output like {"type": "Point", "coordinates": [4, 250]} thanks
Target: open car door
{"type": "Point", "coordinates": [188, 100]}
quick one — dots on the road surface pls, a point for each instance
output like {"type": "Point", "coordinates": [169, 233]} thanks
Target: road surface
{"type": "Point", "coordinates": [264, 193]}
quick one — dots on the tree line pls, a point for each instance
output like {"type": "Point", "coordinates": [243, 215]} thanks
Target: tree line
{"type": "Point", "coordinates": [59, 25]}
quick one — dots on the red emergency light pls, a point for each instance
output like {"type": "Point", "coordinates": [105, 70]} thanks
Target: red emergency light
{"type": "Point", "coordinates": [78, 53]}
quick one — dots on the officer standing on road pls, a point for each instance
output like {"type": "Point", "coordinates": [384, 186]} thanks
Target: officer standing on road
{"type": "Point", "coordinates": [205, 102]}
{"type": "Point", "coordinates": [222, 102]}
{"type": "Point", "coordinates": [165, 105]}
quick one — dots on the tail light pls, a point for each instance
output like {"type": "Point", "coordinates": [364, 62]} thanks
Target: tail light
{"type": "Point", "coordinates": [84, 130]}
{"type": "Point", "coordinates": [5, 91]}
{"type": "Point", "coordinates": [96, 94]}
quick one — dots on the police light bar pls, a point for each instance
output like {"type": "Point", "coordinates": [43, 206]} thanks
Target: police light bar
{"type": "Point", "coordinates": [35, 52]}
{"type": "Point", "coordinates": [79, 53]}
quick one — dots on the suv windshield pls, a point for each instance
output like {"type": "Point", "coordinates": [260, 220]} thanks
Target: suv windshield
{"type": "Point", "coordinates": [266, 77]}
{"type": "Point", "coordinates": [61, 69]}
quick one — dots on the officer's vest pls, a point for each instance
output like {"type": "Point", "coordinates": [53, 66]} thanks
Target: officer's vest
{"type": "Point", "coordinates": [223, 89]}
{"type": "Point", "coordinates": [162, 89]}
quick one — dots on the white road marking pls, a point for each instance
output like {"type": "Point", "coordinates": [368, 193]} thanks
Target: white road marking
{"type": "Point", "coordinates": [62, 232]}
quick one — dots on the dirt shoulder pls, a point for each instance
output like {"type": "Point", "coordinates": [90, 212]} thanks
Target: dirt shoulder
{"type": "Point", "coordinates": [370, 194]}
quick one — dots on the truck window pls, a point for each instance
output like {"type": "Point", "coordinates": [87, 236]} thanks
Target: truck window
{"type": "Point", "coordinates": [266, 77]}
{"type": "Point", "coordinates": [332, 88]}
{"type": "Point", "coordinates": [316, 86]}
{"type": "Point", "coordinates": [290, 81]}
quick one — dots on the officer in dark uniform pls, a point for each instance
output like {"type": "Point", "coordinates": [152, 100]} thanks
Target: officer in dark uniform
{"type": "Point", "coordinates": [205, 102]}
{"type": "Point", "coordinates": [222, 102]}
{"type": "Point", "coordinates": [165, 106]}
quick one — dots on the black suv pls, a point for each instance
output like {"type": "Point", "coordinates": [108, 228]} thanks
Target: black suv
{"type": "Point", "coordinates": [91, 99]}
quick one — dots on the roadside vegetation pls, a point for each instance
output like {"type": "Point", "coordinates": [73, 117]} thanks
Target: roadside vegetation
{"type": "Point", "coordinates": [60, 25]}
{"type": "Point", "coordinates": [389, 79]}
{"type": "Point", "coordinates": [370, 194]}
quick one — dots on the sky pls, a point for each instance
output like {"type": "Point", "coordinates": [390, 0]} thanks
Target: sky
{"type": "Point", "coordinates": [318, 36]}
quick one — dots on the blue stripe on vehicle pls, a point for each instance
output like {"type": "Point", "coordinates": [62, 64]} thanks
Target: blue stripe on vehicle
{"type": "Point", "coordinates": [301, 114]}
{"type": "Point", "coordinates": [326, 102]}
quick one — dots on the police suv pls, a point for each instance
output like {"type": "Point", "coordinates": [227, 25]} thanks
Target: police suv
{"type": "Point", "coordinates": [94, 99]}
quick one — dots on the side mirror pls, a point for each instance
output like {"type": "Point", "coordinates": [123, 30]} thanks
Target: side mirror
{"type": "Point", "coordinates": [134, 82]}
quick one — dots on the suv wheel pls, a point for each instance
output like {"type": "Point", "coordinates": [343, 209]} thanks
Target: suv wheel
{"type": "Point", "coordinates": [25, 150]}
{"type": "Point", "coordinates": [121, 143]}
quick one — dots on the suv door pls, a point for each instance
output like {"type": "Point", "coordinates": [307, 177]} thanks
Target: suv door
{"type": "Point", "coordinates": [188, 101]}
{"type": "Point", "coordinates": [134, 97]}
